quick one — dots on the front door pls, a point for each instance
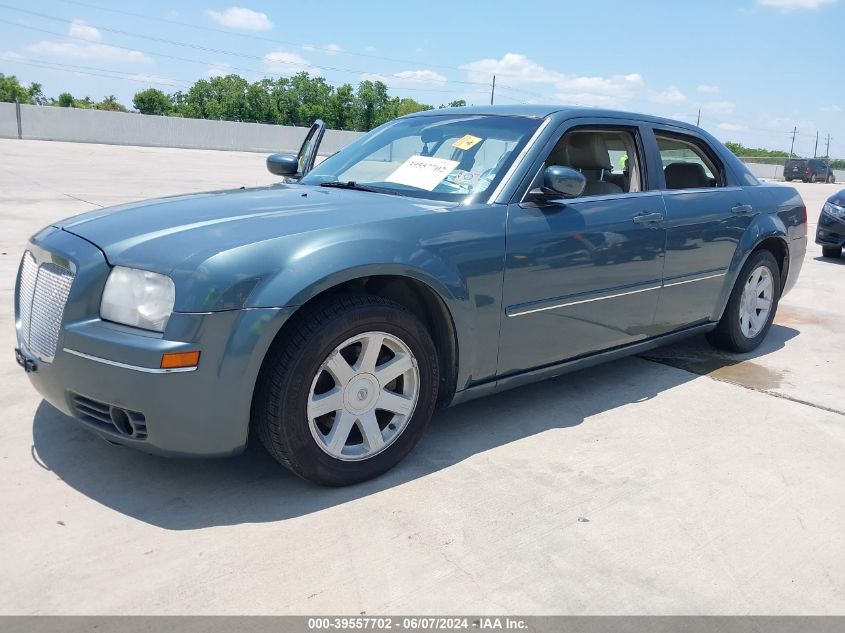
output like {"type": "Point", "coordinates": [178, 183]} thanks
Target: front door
{"type": "Point", "coordinates": [583, 274]}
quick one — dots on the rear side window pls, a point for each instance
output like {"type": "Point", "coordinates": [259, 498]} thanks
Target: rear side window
{"type": "Point", "coordinates": [687, 164]}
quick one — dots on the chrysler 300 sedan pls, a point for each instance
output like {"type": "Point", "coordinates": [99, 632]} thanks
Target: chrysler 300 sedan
{"type": "Point", "coordinates": [443, 256]}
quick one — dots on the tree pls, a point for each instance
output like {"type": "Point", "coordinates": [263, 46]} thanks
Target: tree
{"type": "Point", "coordinates": [110, 103]}
{"type": "Point", "coordinates": [152, 101]}
{"type": "Point", "coordinates": [66, 100]}
{"type": "Point", "coordinates": [11, 90]}
{"type": "Point", "coordinates": [35, 93]}
{"type": "Point", "coordinates": [372, 102]}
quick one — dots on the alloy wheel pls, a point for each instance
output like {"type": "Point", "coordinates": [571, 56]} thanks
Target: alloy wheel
{"type": "Point", "coordinates": [363, 396]}
{"type": "Point", "coordinates": [756, 302]}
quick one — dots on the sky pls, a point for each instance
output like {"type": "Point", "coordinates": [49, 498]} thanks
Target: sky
{"type": "Point", "coordinates": [754, 68]}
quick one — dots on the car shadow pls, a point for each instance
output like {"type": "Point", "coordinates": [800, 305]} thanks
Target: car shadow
{"type": "Point", "coordinates": [184, 494]}
{"type": "Point", "coordinates": [840, 261]}
{"type": "Point", "coordinates": [696, 355]}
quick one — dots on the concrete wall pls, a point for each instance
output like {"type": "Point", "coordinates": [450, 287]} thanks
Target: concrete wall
{"type": "Point", "coordinates": [120, 128]}
{"type": "Point", "coordinates": [8, 120]}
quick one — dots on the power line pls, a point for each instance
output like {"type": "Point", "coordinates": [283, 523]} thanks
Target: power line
{"type": "Point", "coordinates": [209, 49]}
{"type": "Point", "coordinates": [211, 63]}
{"type": "Point", "coordinates": [97, 72]}
{"type": "Point", "coordinates": [256, 37]}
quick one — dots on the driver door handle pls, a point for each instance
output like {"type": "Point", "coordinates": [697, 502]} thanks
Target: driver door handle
{"type": "Point", "coordinates": [648, 218]}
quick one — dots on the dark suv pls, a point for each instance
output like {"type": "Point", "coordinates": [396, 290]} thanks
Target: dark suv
{"type": "Point", "coordinates": [808, 170]}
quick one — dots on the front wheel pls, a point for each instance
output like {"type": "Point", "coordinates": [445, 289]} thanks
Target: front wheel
{"type": "Point", "coordinates": [751, 307]}
{"type": "Point", "coordinates": [831, 179]}
{"type": "Point", "coordinates": [813, 179]}
{"type": "Point", "coordinates": [349, 390]}
{"type": "Point", "coordinates": [833, 252]}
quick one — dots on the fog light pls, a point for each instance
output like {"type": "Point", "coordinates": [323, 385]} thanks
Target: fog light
{"type": "Point", "coordinates": [179, 360]}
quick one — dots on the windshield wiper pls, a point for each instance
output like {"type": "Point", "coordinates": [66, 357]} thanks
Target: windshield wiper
{"type": "Point", "coordinates": [351, 184]}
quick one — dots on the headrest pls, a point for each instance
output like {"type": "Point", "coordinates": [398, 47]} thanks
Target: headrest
{"type": "Point", "coordinates": [685, 176]}
{"type": "Point", "coordinates": [586, 150]}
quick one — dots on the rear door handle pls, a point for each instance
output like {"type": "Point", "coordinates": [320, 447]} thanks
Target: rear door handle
{"type": "Point", "coordinates": [648, 218]}
{"type": "Point", "coordinates": [742, 209]}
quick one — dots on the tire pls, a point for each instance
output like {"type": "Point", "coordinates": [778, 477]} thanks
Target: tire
{"type": "Point", "coordinates": [296, 367]}
{"type": "Point", "coordinates": [813, 179]}
{"type": "Point", "coordinates": [831, 179]}
{"type": "Point", "coordinates": [833, 252]}
{"type": "Point", "coordinates": [730, 334]}
{"type": "Point", "coordinates": [788, 179]}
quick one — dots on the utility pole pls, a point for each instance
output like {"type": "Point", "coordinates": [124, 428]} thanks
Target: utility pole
{"type": "Point", "coordinates": [792, 147]}
{"type": "Point", "coordinates": [493, 90]}
{"type": "Point", "coordinates": [816, 148]}
{"type": "Point", "coordinates": [698, 120]}
{"type": "Point", "coordinates": [827, 151]}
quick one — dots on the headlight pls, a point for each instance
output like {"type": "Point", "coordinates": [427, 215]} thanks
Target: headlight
{"type": "Point", "coordinates": [138, 298]}
{"type": "Point", "coordinates": [833, 210]}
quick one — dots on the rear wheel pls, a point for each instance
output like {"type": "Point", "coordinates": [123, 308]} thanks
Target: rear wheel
{"type": "Point", "coordinates": [834, 252]}
{"type": "Point", "coordinates": [813, 178]}
{"type": "Point", "coordinates": [831, 178]}
{"type": "Point", "coordinates": [751, 307]}
{"type": "Point", "coordinates": [348, 392]}
{"type": "Point", "coordinates": [788, 179]}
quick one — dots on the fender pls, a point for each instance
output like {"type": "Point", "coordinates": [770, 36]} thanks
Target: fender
{"type": "Point", "coordinates": [763, 227]}
{"type": "Point", "coordinates": [463, 268]}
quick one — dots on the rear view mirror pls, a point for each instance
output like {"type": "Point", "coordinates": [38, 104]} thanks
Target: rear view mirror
{"type": "Point", "coordinates": [282, 164]}
{"type": "Point", "coordinates": [560, 182]}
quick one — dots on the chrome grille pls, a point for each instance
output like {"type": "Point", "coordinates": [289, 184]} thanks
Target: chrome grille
{"type": "Point", "coordinates": [43, 293]}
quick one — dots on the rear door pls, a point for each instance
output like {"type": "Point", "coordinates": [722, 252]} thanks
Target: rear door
{"type": "Point", "coordinates": [583, 274]}
{"type": "Point", "coordinates": [706, 216]}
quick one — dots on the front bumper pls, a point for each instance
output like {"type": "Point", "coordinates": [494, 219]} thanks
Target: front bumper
{"type": "Point", "coordinates": [101, 369]}
{"type": "Point", "coordinates": [830, 231]}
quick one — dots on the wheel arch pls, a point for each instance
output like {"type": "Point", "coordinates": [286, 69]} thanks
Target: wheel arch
{"type": "Point", "coordinates": [764, 236]}
{"type": "Point", "coordinates": [414, 292]}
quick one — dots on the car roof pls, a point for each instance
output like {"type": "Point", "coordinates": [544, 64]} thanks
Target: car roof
{"type": "Point", "coordinates": [537, 111]}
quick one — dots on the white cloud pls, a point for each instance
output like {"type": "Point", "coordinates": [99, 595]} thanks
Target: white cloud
{"type": "Point", "coordinates": [153, 79]}
{"type": "Point", "coordinates": [11, 56]}
{"type": "Point", "coordinates": [218, 70]}
{"type": "Point", "coordinates": [309, 47]}
{"type": "Point", "coordinates": [406, 78]}
{"type": "Point", "coordinates": [83, 31]}
{"type": "Point", "coordinates": [370, 49]}
{"type": "Point", "coordinates": [732, 127]}
{"type": "Point", "coordinates": [708, 89]}
{"type": "Point", "coordinates": [791, 5]}
{"type": "Point", "coordinates": [670, 95]}
{"type": "Point", "coordinates": [333, 49]}
{"type": "Point", "coordinates": [832, 109]}
{"type": "Point", "coordinates": [87, 46]}
{"type": "Point", "coordinates": [515, 69]}
{"type": "Point", "coordinates": [605, 92]}
{"type": "Point", "coordinates": [284, 63]}
{"type": "Point", "coordinates": [718, 107]}
{"type": "Point", "coordinates": [241, 18]}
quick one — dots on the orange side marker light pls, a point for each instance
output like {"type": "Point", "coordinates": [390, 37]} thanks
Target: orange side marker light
{"type": "Point", "coordinates": [179, 360]}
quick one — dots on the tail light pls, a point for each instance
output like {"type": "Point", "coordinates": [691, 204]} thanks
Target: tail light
{"type": "Point", "coordinates": [804, 221]}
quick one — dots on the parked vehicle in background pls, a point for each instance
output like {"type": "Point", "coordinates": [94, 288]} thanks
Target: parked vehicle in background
{"type": "Point", "coordinates": [808, 170]}
{"type": "Point", "coordinates": [830, 232]}
{"type": "Point", "coordinates": [443, 256]}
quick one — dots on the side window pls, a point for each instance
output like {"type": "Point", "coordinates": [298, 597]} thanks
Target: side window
{"type": "Point", "coordinates": [607, 157]}
{"type": "Point", "coordinates": [686, 163]}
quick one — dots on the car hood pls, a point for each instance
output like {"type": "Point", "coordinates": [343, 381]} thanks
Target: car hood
{"type": "Point", "coordinates": [159, 234]}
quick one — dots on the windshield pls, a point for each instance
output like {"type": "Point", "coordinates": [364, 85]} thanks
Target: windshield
{"type": "Point", "coordinates": [444, 157]}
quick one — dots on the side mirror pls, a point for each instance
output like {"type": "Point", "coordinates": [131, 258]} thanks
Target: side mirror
{"type": "Point", "coordinates": [560, 182]}
{"type": "Point", "coordinates": [282, 164]}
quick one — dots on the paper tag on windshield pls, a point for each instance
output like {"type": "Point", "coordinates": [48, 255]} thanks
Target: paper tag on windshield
{"type": "Point", "coordinates": [422, 172]}
{"type": "Point", "coordinates": [467, 141]}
